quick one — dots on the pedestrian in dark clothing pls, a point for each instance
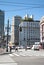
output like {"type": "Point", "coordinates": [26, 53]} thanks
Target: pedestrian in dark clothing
{"type": "Point", "coordinates": [10, 48]}
{"type": "Point", "coordinates": [16, 49]}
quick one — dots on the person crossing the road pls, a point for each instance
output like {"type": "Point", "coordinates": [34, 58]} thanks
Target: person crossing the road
{"type": "Point", "coordinates": [10, 46]}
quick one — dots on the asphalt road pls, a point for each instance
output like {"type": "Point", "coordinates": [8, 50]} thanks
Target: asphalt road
{"type": "Point", "coordinates": [22, 58]}
{"type": "Point", "coordinates": [29, 60]}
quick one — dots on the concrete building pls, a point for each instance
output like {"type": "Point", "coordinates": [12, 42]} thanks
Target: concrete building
{"type": "Point", "coordinates": [1, 24]}
{"type": "Point", "coordinates": [15, 29]}
{"type": "Point", "coordinates": [42, 30]}
{"type": "Point", "coordinates": [29, 32]}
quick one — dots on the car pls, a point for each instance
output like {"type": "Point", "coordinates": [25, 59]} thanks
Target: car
{"type": "Point", "coordinates": [35, 47]}
{"type": "Point", "coordinates": [20, 47]}
{"type": "Point", "coordinates": [28, 47]}
{"type": "Point", "coordinates": [13, 47]}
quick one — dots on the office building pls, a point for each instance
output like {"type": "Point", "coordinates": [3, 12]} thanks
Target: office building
{"type": "Point", "coordinates": [1, 24]}
{"type": "Point", "coordinates": [15, 29]}
{"type": "Point", "coordinates": [29, 32]}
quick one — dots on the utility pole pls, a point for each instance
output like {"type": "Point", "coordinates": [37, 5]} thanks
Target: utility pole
{"type": "Point", "coordinates": [7, 35]}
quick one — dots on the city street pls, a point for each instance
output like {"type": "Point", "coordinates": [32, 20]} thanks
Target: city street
{"type": "Point", "coordinates": [23, 52]}
{"type": "Point", "coordinates": [22, 57]}
{"type": "Point", "coordinates": [29, 60]}
{"type": "Point", "coordinates": [5, 59]}
{"type": "Point", "coordinates": [21, 32]}
{"type": "Point", "coordinates": [29, 57]}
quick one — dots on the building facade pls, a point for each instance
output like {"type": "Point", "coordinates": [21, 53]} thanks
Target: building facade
{"type": "Point", "coordinates": [15, 29]}
{"type": "Point", "coordinates": [42, 30]}
{"type": "Point", "coordinates": [29, 32]}
{"type": "Point", "coordinates": [1, 24]}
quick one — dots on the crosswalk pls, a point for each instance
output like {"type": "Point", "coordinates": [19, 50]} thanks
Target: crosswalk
{"type": "Point", "coordinates": [22, 55]}
{"type": "Point", "coordinates": [14, 54]}
{"type": "Point", "coordinates": [25, 54]}
{"type": "Point", "coordinates": [8, 64]}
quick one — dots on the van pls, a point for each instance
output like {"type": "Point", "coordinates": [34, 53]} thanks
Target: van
{"type": "Point", "coordinates": [36, 46]}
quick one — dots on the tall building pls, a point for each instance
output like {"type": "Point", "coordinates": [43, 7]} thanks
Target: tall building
{"type": "Point", "coordinates": [15, 29]}
{"type": "Point", "coordinates": [1, 24]}
{"type": "Point", "coordinates": [29, 32]}
{"type": "Point", "coordinates": [42, 30]}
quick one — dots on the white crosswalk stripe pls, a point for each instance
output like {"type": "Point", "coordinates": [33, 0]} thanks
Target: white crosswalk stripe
{"type": "Point", "coordinates": [11, 54]}
{"type": "Point", "coordinates": [28, 53]}
{"type": "Point", "coordinates": [21, 54]}
{"type": "Point", "coordinates": [16, 54]}
{"type": "Point", "coordinates": [8, 64]}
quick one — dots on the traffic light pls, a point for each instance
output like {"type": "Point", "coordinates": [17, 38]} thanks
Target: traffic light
{"type": "Point", "coordinates": [20, 29]}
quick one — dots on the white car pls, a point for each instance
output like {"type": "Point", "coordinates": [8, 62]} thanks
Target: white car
{"type": "Point", "coordinates": [28, 47]}
{"type": "Point", "coordinates": [35, 47]}
{"type": "Point", "coordinates": [20, 47]}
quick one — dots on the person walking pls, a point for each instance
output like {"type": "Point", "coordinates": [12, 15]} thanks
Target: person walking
{"type": "Point", "coordinates": [16, 48]}
{"type": "Point", "coordinates": [10, 46]}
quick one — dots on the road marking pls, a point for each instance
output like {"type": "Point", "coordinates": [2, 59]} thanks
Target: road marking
{"type": "Point", "coordinates": [16, 54]}
{"type": "Point", "coordinates": [9, 64]}
{"type": "Point", "coordinates": [19, 54]}
{"type": "Point", "coordinates": [26, 54]}
{"type": "Point", "coordinates": [22, 54]}
{"type": "Point", "coordinates": [11, 54]}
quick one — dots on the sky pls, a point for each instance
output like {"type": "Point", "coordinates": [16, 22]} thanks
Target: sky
{"type": "Point", "coordinates": [21, 8]}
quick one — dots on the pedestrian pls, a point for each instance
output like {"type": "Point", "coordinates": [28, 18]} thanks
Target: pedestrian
{"type": "Point", "coordinates": [16, 48]}
{"type": "Point", "coordinates": [10, 48]}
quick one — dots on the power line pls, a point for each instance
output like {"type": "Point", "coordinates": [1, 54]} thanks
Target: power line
{"type": "Point", "coordinates": [21, 9]}
{"type": "Point", "coordinates": [25, 6]}
{"type": "Point", "coordinates": [30, 6]}
{"type": "Point", "coordinates": [19, 3]}
{"type": "Point", "coordinates": [16, 3]}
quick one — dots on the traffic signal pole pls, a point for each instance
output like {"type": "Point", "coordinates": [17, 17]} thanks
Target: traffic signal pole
{"type": "Point", "coordinates": [7, 35]}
